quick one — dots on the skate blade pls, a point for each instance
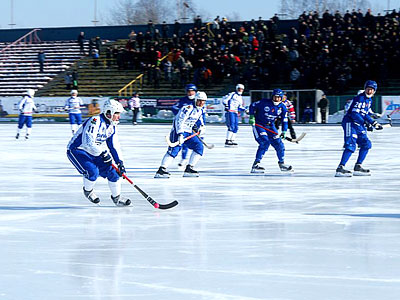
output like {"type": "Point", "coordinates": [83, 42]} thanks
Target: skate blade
{"type": "Point", "coordinates": [287, 171]}
{"type": "Point", "coordinates": [231, 146]}
{"type": "Point", "coordinates": [257, 171]}
{"type": "Point", "coordinates": [338, 174]}
{"type": "Point", "coordinates": [161, 176]}
{"type": "Point", "coordinates": [190, 175]}
{"type": "Point", "coordinates": [357, 173]}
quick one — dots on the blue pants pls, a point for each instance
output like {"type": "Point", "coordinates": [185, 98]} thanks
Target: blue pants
{"type": "Point", "coordinates": [75, 119]}
{"type": "Point", "coordinates": [355, 135]}
{"type": "Point", "coordinates": [91, 167]}
{"type": "Point", "coordinates": [193, 143]}
{"type": "Point", "coordinates": [24, 120]}
{"type": "Point", "coordinates": [232, 121]}
{"type": "Point", "coordinates": [265, 139]}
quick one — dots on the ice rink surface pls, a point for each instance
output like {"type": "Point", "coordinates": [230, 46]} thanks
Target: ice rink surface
{"type": "Point", "coordinates": [234, 235]}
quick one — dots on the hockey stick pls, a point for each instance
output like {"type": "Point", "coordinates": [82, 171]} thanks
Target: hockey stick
{"type": "Point", "coordinates": [174, 144]}
{"type": "Point", "coordinates": [390, 122]}
{"type": "Point", "coordinates": [148, 198]}
{"type": "Point", "coordinates": [296, 140]}
{"type": "Point", "coordinates": [208, 146]}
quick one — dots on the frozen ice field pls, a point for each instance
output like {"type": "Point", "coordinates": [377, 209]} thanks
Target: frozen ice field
{"type": "Point", "coordinates": [234, 235]}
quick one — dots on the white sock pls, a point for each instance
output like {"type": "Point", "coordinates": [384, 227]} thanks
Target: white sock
{"type": "Point", "coordinates": [233, 136]}
{"type": "Point", "coordinates": [88, 185]}
{"type": "Point", "coordinates": [194, 159]}
{"type": "Point", "coordinates": [28, 130]}
{"type": "Point", "coordinates": [229, 135]}
{"type": "Point", "coordinates": [74, 127]}
{"type": "Point", "coordinates": [115, 188]}
{"type": "Point", "coordinates": [166, 161]}
{"type": "Point", "coordinates": [19, 131]}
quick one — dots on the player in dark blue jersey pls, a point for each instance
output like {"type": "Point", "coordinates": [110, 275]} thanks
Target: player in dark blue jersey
{"type": "Point", "coordinates": [263, 115]}
{"type": "Point", "coordinates": [355, 132]}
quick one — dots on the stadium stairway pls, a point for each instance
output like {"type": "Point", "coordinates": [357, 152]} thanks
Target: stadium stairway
{"type": "Point", "coordinates": [106, 79]}
{"type": "Point", "coordinates": [19, 66]}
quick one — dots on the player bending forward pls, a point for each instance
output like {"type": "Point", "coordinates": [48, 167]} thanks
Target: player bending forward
{"type": "Point", "coordinates": [182, 128]}
{"type": "Point", "coordinates": [355, 131]}
{"type": "Point", "coordinates": [92, 149]}
{"type": "Point", "coordinates": [263, 115]}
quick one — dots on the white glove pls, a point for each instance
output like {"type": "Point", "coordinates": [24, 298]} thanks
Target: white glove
{"type": "Point", "coordinates": [202, 130]}
{"type": "Point", "coordinates": [181, 139]}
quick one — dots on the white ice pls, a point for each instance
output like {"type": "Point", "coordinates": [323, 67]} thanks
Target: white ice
{"type": "Point", "coordinates": [234, 235]}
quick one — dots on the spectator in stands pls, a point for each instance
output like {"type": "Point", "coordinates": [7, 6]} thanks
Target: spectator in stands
{"type": "Point", "coordinates": [81, 42]}
{"type": "Point", "coordinates": [164, 30]}
{"type": "Point", "coordinates": [134, 105]}
{"type": "Point", "coordinates": [68, 81]}
{"type": "Point", "coordinates": [167, 70]}
{"type": "Point", "coordinates": [41, 59]}
{"type": "Point", "coordinates": [95, 56]}
{"type": "Point", "coordinates": [177, 28]}
{"type": "Point", "coordinates": [323, 106]}
{"type": "Point", "coordinates": [98, 44]}
{"type": "Point", "coordinates": [74, 76]}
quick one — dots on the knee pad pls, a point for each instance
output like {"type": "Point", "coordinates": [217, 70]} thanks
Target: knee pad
{"type": "Point", "coordinates": [92, 174]}
{"type": "Point", "coordinates": [365, 143]}
{"type": "Point", "coordinates": [113, 176]}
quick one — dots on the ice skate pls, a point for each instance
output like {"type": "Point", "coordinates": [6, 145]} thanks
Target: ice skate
{"type": "Point", "coordinates": [342, 172]}
{"type": "Point", "coordinates": [17, 136]}
{"type": "Point", "coordinates": [360, 171]}
{"type": "Point", "coordinates": [190, 172]}
{"type": "Point", "coordinates": [120, 201]}
{"type": "Point", "coordinates": [162, 173]}
{"type": "Point", "coordinates": [27, 136]}
{"type": "Point", "coordinates": [91, 196]}
{"type": "Point", "coordinates": [229, 143]}
{"type": "Point", "coordinates": [256, 168]}
{"type": "Point", "coordinates": [285, 168]}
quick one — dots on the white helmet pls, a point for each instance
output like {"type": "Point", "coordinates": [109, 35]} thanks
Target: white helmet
{"type": "Point", "coordinates": [239, 86]}
{"type": "Point", "coordinates": [200, 96]}
{"type": "Point", "coordinates": [111, 107]}
{"type": "Point", "coordinates": [30, 92]}
{"type": "Point", "coordinates": [74, 92]}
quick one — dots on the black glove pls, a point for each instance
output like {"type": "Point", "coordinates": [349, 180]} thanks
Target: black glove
{"type": "Point", "coordinates": [195, 128]}
{"type": "Point", "coordinates": [121, 169]}
{"type": "Point", "coordinates": [106, 157]}
{"type": "Point", "coordinates": [369, 127]}
{"type": "Point", "coordinates": [377, 126]}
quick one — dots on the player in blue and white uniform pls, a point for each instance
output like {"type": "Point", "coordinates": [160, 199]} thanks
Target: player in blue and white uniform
{"type": "Point", "coordinates": [73, 106]}
{"type": "Point", "coordinates": [93, 148]}
{"type": "Point", "coordinates": [233, 103]}
{"type": "Point", "coordinates": [355, 131]}
{"type": "Point", "coordinates": [184, 122]}
{"type": "Point", "coordinates": [190, 90]}
{"type": "Point", "coordinates": [26, 108]}
{"type": "Point", "coordinates": [263, 115]}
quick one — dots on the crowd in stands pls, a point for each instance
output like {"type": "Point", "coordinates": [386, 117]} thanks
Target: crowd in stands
{"type": "Point", "coordinates": [330, 52]}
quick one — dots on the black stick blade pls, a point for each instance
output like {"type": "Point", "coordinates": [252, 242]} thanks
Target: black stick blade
{"type": "Point", "coordinates": [168, 206]}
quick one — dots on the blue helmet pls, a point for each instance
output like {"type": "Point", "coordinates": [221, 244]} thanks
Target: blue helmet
{"type": "Point", "coordinates": [277, 92]}
{"type": "Point", "coordinates": [189, 87]}
{"type": "Point", "coordinates": [371, 84]}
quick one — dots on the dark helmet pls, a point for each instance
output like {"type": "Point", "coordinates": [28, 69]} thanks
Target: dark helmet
{"type": "Point", "coordinates": [371, 84]}
{"type": "Point", "coordinates": [189, 87]}
{"type": "Point", "coordinates": [277, 92]}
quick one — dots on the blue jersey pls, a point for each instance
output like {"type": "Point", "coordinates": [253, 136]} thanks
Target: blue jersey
{"type": "Point", "coordinates": [181, 103]}
{"type": "Point", "coordinates": [93, 136]}
{"type": "Point", "coordinates": [359, 110]}
{"type": "Point", "coordinates": [266, 113]}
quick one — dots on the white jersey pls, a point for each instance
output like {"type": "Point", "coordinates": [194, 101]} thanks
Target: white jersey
{"type": "Point", "coordinates": [187, 117]}
{"type": "Point", "coordinates": [73, 105]}
{"type": "Point", "coordinates": [95, 135]}
{"type": "Point", "coordinates": [233, 102]}
{"type": "Point", "coordinates": [26, 106]}
{"type": "Point", "coordinates": [134, 102]}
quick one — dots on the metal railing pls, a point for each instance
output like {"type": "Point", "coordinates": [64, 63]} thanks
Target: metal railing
{"type": "Point", "coordinates": [28, 38]}
{"type": "Point", "coordinates": [139, 79]}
